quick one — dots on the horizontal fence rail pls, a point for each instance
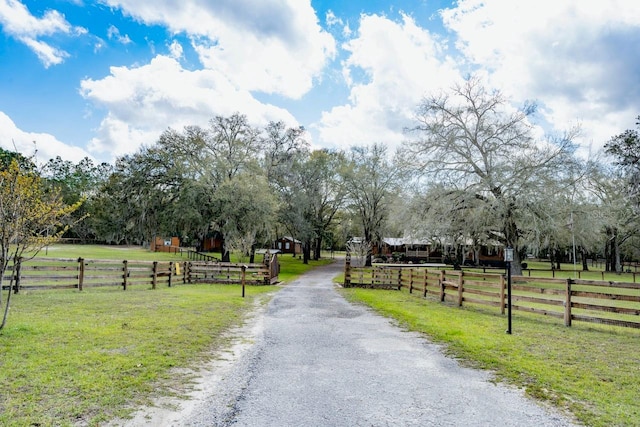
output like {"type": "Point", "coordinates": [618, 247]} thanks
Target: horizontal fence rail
{"type": "Point", "coordinates": [579, 273]}
{"type": "Point", "coordinates": [218, 272]}
{"type": "Point", "coordinates": [63, 273]}
{"type": "Point", "coordinates": [603, 302]}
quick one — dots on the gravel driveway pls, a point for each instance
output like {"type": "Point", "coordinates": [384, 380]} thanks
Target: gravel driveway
{"type": "Point", "coordinates": [310, 358]}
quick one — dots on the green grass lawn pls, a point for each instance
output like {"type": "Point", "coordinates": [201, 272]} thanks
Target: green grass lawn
{"type": "Point", "coordinates": [590, 370]}
{"type": "Point", "coordinates": [107, 252]}
{"type": "Point", "coordinates": [569, 271]}
{"type": "Point", "coordinates": [69, 357]}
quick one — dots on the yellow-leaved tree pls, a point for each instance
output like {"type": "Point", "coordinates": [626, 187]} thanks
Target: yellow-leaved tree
{"type": "Point", "coordinates": [31, 217]}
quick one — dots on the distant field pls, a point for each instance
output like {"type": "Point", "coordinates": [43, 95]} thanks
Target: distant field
{"type": "Point", "coordinates": [107, 252]}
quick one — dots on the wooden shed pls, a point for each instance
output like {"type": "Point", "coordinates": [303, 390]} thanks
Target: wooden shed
{"type": "Point", "coordinates": [165, 244]}
{"type": "Point", "coordinates": [212, 243]}
{"type": "Point", "coordinates": [288, 245]}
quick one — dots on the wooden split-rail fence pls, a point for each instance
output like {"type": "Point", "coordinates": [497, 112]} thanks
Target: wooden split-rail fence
{"type": "Point", "coordinates": [603, 302]}
{"type": "Point", "coordinates": [62, 273]}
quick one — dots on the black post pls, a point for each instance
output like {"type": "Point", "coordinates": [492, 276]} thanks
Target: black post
{"type": "Point", "coordinates": [509, 296]}
{"type": "Point", "coordinates": [244, 271]}
{"type": "Point", "coordinates": [508, 257]}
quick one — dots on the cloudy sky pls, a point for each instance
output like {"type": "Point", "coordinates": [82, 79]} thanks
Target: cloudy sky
{"type": "Point", "coordinates": [100, 78]}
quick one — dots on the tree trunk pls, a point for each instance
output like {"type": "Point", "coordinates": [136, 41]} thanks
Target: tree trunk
{"type": "Point", "coordinates": [225, 254]}
{"type": "Point", "coordinates": [616, 250]}
{"type": "Point", "coordinates": [252, 254]}
{"type": "Point", "coordinates": [516, 265]}
{"type": "Point", "coordinates": [511, 240]}
{"type": "Point", "coordinates": [16, 264]}
{"type": "Point", "coordinates": [585, 266]}
{"type": "Point", "coordinates": [367, 239]}
{"type": "Point", "coordinates": [317, 249]}
{"type": "Point", "coordinates": [611, 250]}
{"type": "Point", "coordinates": [306, 252]}
{"type": "Point", "coordinates": [607, 258]}
{"type": "Point", "coordinates": [558, 259]}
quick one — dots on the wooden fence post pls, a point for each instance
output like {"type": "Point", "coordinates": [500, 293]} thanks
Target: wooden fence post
{"type": "Point", "coordinates": [460, 287]}
{"type": "Point", "coordinates": [347, 271]}
{"type": "Point", "coordinates": [442, 285]}
{"type": "Point", "coordinates": [171, 266]}
{"type": "Point", "coordinates": [411, 280]}
{"type": "Point", "coordinates": [567, 304]}
{"type": "Point", "coordinates": [426, 276]}
{"type": "Point", "coordinates": [244, 272]}
{"type": "Point", "coordinates": [184, 272]}
{"type": "Point", "coordinates": [154, 275]}
{"type": "Point", "coordinates": [125, 274]}
{"type": "Point", "coordinates": [503, 293]}
{"type": "Point", "coordinates": [80, 273]}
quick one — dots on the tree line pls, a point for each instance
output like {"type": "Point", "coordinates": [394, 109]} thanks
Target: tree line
{"type": "Point", "coordinates": [473, 170]}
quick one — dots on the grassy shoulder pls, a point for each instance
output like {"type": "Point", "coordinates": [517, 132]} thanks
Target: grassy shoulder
{"type": "Point", "coordinates": [70, 357]}
{"type": "Point", "coordinates": [592, 371]}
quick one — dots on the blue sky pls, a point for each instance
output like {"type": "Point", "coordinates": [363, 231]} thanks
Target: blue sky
{"type": "Point", "coordinates": [100, 78]}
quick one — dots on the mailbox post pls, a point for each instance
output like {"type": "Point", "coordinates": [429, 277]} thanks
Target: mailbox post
{"type": "Point", "coordinates": [508, 257]}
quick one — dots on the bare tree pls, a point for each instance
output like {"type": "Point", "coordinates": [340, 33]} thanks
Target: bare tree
{"type": "Point", "coordinates": [233, 144]}
{"type": "Point", "coordinates": [360, 251]}
{"type": "Point", "coordinates": [471, 140]}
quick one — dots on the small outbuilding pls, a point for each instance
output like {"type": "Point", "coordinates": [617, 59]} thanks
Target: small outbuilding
{"type": "Point", "coordinates": [165, 244]}
{"type": "Point", "coordinates": [288, 245]}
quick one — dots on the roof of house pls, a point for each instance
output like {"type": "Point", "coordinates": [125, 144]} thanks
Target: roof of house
{"type": "Point", "coordinates": [291, 239]}
{"type": "Point", "coordinates": [267, 251]}
{"type": "Point", "coordinates": [400, 241]}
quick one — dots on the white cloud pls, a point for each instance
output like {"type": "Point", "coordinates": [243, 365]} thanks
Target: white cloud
{"type": "Point", "coordinates": [19, 23]}
{"type": "Point", "coordinates": [331, 19]}
{"type": "Point", "coordinates": [144, 101]}
{"type": "Point", "coordinates": [390, 67]}
{"type": "Point", "coordinates": [272, 46]}
{"type": "Point", "coordinates": [175, 49]}
{"type": "Point", "coordinates": [44, 145]}
{"type": "Point", "coordinates": [579, 61]}
{"type": "Point", "coordinates": [114, 34]}
{"type": "Point", "coordinates": [47, 54]}
{"type": "Point", "coordinates": [346, 31]}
